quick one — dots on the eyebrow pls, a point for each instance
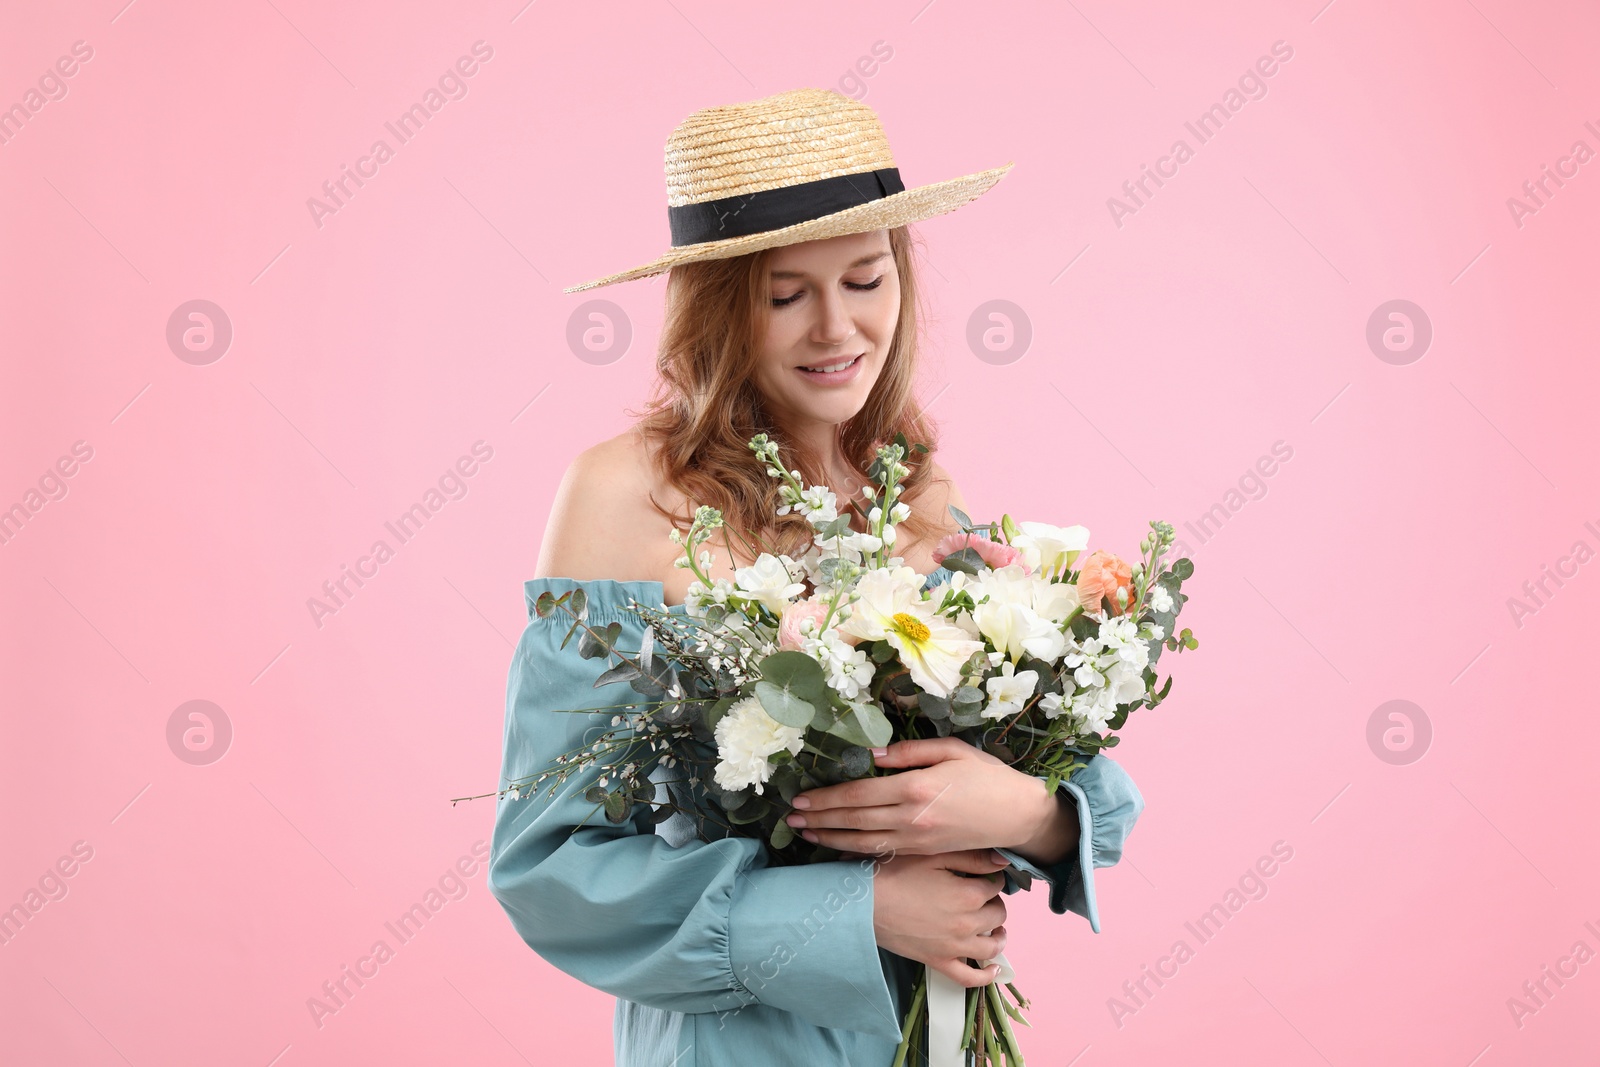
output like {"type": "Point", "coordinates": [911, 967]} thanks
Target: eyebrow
{"type": "Point", "coordinates": [862, 262]}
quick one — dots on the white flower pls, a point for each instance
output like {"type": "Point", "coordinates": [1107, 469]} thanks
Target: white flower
{"type": "Point", "coordinates": [847, 669]}
{"type": "Point", "coordinates": [746, 737]}
{"type": "Point", "coordinates": [817, 504]}
{"type": "Point", "coordinates": [768, 582]}
{"type": "Point", "coordinates": [1160, 599]}
{"type": "Point", "coordinates": [891, 609]}
{"type": "Point", "coordinates": [1050, 549]}
{"type": "Point", "coordinates": [1007, 614]}
{"type": "Point", "coordinates": [1008, 691]}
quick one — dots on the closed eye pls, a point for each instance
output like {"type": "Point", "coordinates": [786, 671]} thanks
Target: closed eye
{"type": "Point", "coordinates": [779, 302]}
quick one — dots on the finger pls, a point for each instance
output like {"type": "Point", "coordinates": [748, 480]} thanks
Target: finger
{"type": "Point", "coordinates": [985, 946]}
{"type": "Point", "coordinates": [920, 752]}
{"type": "Point", "coordinates": [878, 817]}
{"type": "Point", "coordinates": [974, 861]}
{"type": "Point", "coordinates": [872, 842]}
{"type": "Point", "coordinates": [859, 793]}
{"type": "Point", "coordinates": [966, 975]}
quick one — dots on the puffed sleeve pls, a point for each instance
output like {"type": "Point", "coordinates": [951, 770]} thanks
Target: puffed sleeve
{"type": "Point", "coordinates": [700, 927]}
{"type": "Point", "coordinates": [1108, 805]}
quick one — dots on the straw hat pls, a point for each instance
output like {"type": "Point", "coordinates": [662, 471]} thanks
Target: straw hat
{"type": "Point", "coordinates": [797, 166]}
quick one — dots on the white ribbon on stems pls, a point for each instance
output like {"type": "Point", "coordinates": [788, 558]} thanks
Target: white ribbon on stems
{"type": "Point", "coordinates": [947, 1013]}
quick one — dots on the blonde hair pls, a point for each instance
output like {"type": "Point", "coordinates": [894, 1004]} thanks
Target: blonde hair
{"type": "Point", "coordinates": [705, 407]}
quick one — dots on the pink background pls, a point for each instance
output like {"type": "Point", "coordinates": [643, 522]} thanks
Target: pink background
{"type": "Point", "coordinates": [1168, 355]}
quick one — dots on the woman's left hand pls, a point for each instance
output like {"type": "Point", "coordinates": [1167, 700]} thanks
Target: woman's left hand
{"type": "Point", "coordinates": [958, 797]}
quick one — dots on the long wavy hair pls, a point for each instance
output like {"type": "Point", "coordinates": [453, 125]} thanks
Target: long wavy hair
{"type": "Point", "coordinates": [705, 407]}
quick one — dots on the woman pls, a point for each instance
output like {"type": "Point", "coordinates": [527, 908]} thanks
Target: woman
{"type": "Point", "coordinates": [791, 311]}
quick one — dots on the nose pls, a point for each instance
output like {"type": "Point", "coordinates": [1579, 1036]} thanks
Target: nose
{"type": "Point", "coordinates": [834, 325]}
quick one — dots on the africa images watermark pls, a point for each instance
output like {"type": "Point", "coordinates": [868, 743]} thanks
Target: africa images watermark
{"type": "Point", "coordinates": [1537, 192]}
{"type": "Point", "coordinates": [451, 85]}
{"type": "Point", "coordinates": [51, 886]}
{"type": "Point", "coordinates": [452, 485]}
{"type": "Point", "coordinates": [1579, 554]}
{"type": "Point", "coordinates": [1251, 885]}
{"type": "Point", "coordinates": [452, 885]}
{"type": "Point", "coordinates": [1536, 992]}
{"type": "Point", "coordinates": [50, 87]}
{"type": "Point", "coordinates": [52, 485]}
{"type": "Point", "coordinates": [1252, 486]}
{"type": "Point", "coordinates": [1251, 85]}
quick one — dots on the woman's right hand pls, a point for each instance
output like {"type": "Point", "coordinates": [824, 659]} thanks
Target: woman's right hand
{"type": "Point", "coordinates": [930, 909]}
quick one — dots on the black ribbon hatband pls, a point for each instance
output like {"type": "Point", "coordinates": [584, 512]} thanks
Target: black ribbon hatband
{"type": "Point", "coordinates": [773, 209]}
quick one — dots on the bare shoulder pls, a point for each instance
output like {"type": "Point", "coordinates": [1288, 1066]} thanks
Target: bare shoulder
{"type": "Point", "coordinates": [939, 494]}
{"type": "Point", "coordinates": [602, 524]}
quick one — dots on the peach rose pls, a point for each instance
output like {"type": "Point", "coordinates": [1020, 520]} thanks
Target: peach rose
{"type": "Point", "coordinates": [1102, 575]}
{"type": "Point", "coordinates": [789, 635]}
{"type": "Point", "coordinates": [993, 553]}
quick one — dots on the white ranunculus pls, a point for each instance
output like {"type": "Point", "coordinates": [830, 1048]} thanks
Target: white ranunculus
{"type": "Point", "coordinates": [747, 737]}
{"type": "Point", "coordinates": [1050, 549]}
{"type": "Point", "coordinates": [768, 582]}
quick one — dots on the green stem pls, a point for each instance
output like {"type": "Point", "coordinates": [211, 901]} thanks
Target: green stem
{"type": "Point", "coordinates": [909, 1026]}
{"type": "Point", "coordinates": [1013, 1052]}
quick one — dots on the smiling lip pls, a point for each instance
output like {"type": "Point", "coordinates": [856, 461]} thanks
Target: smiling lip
{"type": "Point", "coordinates": [834, 377]}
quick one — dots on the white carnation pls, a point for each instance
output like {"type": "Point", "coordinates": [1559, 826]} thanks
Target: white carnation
{"type": "Point", "coordinates": [746, 738]}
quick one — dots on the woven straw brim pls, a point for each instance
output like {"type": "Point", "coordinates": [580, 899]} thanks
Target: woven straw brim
{"type": "Point", "coordinates": [925, 201]}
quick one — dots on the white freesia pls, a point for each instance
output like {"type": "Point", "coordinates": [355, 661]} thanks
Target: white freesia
{"type": "Point", "coordinates": [1050, 549]}
{"type": "Point", "coordinates": [768, 581]}
{"type": "Point", "coordinates": [1008, 691]}
{"type": "Point", "coordinates": [1007, 615]}
{"type": "Point", "coordinates": [746, 739]}
{"type": "Point", "coordinates": [891, 609]}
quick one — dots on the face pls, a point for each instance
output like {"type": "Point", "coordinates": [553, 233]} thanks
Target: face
{"type": "Point", "coordinates": [834, 301]}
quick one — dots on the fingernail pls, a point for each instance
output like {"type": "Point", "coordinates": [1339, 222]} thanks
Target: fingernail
{"type": "Point", "coordinates": [880, 752]}
{"type": "Point", "coordinates": [802, 802]}
{"type": "Point", "coordinates": [997, 857]}
{"type": "Point", "coordinates": [795, 820]}
{"type": "Point", "coordinates": [809, 836]}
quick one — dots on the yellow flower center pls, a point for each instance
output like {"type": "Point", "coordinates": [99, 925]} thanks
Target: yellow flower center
{"type": "Point", "coordinates": [913, 628]}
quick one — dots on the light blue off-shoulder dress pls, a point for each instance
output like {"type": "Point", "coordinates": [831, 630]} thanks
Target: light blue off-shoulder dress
{"type": "Point", "coordinates": [716, 958]}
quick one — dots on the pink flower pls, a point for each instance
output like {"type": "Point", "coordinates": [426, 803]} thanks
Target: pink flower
{"type": "Point", "coordinates": [789, 635]}
{"type": "Point", "coordinates": [995, 554]}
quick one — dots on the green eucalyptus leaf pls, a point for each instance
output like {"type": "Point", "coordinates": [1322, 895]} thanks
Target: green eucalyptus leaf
{"type": "Point", "coordinates": [966, 560]}
{"type": "Point", "coordinates": [784, 706]}
{"type": "Point", "coordinates": [591, 646]}
{"type": "Point", "coordinates": [966, 697]}
{"type": "Point", "coordinates": [864, 725]}
{"type": "Point", "coordinates": [754, 810]}
{"type": "Point", "coordinates": [782, 834]}
{"type": "Point", "coordinates": [622, 672]}
{"type": "Point", "coordinates": [934, 707]}
{"type": "Point", "coordinates": [857, 761]}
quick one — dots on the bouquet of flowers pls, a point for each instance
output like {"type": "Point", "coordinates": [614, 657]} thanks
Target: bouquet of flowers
{"type": "Point", "coordinates": [762, 688]}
